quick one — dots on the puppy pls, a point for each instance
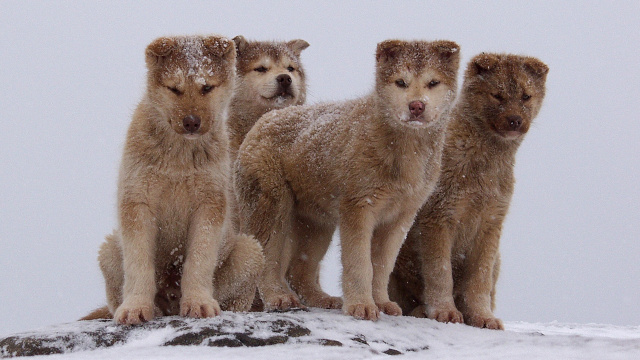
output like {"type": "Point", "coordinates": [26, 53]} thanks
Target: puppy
{"type": "Point", "coordinates": [448, 267]}
{"type": "Point", "coordinates": [366, 165]}
{"type": "Point", "coordinates": [174, 248]}
{"type": "Point", "coordinates": [269, 76]}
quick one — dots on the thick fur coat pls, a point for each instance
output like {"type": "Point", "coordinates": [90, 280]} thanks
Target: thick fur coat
{"type": "Point", "coordinates": [174, 250]}
{"type": "Point", "coordinates": [366, 165]}
{"type": "Point", "coordinates": [448, 267]}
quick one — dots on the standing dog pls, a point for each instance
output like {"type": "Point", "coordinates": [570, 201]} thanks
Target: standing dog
{"type": "Point", "coordinates": [174, 248]}
{"type": "Point", "coordinates": [366, 165]}
{"type": "Point", "coordinates": [270, 76]}
{"type": "Point", "coordinates": [448, 267]}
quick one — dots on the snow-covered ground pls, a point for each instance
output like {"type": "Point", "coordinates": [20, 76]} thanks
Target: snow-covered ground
{"type": "Point", "coordinates": [414, 338]}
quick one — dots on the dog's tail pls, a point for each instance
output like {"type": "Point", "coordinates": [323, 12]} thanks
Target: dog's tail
{"type": "Point", "coordinates": [101, 313]}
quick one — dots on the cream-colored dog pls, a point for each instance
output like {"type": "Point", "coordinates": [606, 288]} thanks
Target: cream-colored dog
{"type": "Point", "coordinates": [269, 76]}
{"type": "Point", "coordinates": [175, 250]}
{"type": "Point", "coordinates": [366, 165]}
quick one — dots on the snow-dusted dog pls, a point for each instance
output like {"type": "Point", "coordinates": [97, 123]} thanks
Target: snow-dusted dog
{"type": "Point", "coordinates": [448, 267]}
{"type": "Point", "coordinates": [174, 250]}
{"type": "Point", "coordinates": [366, 165]}
{"type": "Point", "coordinates": [270, 76]}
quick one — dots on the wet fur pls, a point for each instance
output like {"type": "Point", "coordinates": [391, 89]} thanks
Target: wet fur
{"type": "Point", "coordinates": [175, 248]}
{"type": "Point", "coordinates": [365, 165]}
{"type": "Point", "coordinates": [448, 267]}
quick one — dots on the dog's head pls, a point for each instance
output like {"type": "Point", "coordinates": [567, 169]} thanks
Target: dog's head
{"type": "Point", "coordinates": [505, 92]}
{"type": "Point", "coordinates": [416, 80]}
{"type": "Point", "coordinates": [270, 74]}
{"type": "Point", "coordinates": [191, 81]}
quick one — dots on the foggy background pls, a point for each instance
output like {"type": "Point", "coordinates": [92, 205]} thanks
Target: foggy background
{"type": "Point", "coordinates": [71, 74]}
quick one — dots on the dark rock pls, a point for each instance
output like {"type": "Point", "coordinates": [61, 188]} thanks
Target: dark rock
{"type": "Point", "coordinates": [392, 352]}
{"type": "Point", "coordinates": [329, 342]}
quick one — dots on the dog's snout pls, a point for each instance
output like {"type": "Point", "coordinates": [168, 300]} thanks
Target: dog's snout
{"type": "Point", "coordinates": [191, 123]}
{"type": "Point", "coordinates": [514, 122]}
{"type": "Point", "coordinates": [416, 108]}
{"type": "Point", "coordinates": [284, 80]}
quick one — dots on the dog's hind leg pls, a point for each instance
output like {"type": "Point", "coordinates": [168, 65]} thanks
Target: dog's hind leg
{"type": "Point", "coordinates": [110, 260]}
{"type": "Point", "coordinates": [236, 279]}
{"type": "Point", "coordinates": [266, 204]}
{"type": "Point", "coordinates": [304, 271]}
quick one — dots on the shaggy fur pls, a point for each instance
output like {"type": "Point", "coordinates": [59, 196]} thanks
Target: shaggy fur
{"type": "Point", "coordinates": [448, 267]}
{"type": "Point", "coordinates": [175, 247]}
{"type": "Point", "coordinates": [366, 165]}
{"type": "Point", "coordinates": [269, 76]}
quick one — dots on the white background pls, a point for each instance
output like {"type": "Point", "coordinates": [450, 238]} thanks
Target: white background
{"type": "Point", "coordinates": [71, 74]}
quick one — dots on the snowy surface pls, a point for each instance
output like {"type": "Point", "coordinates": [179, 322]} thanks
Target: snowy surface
{"type": "Point", "coordinates": [414, 338]}
{"type": "Point", "coordinates": [72, 72]}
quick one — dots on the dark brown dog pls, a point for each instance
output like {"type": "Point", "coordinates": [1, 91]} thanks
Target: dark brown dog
{"type": "Point", "coordinates": [449, 264]}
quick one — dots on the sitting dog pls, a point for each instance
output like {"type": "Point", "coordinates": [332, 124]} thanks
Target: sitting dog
{"type": "Point", "coordinates": [175, 251]}
{"type": "Point", "coordinates": [448, 267]}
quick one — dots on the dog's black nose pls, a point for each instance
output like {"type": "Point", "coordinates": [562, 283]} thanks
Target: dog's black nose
{"type": "Point", "coordinates": [416, 107]}
{"type": "Point", "coordinates": [514, 122]}
{"type": "Point", "coordinates": [191, 123]}
{"type": "Point", "coordinates": [284, 80]}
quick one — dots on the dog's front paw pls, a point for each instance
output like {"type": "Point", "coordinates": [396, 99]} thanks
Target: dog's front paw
{"type": "Point", "coordinates": [363, 311]}
{"type": "Point", "coordinates": [390, 308]}
{"type": "Point", "coordinates": [324, 301]}
{"type": "Point", "coordinates": [486, 322]}
{"type": "Point", "coordinates": [331, 302]}
{"type": "Point", "coordinates": [133, 313]}
{"type": "Point", "coordinates": [445, 315]}
{"type": "Point", "coordinates": [199, 308]}
{"type": "Point", "coordinates": [283, 302]}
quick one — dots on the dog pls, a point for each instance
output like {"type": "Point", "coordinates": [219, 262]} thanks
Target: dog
{"type": "Point", "coordinates": [175, 247]}
{"type": "Point", "coordinates": [366, 165]}
{"type": "Point", "coordinates": [269, 76]}
{"type": "Point", "coordinates": [448, 267]}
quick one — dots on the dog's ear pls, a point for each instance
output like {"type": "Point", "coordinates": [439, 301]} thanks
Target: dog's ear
{"type": "Point", "coordinates": [220, 47]}
{"type": "Point", "coordinates": [448, 51]}
{"type": "Point", "coordinates": [297, 46]}
{"type": "Point", "coordinates": [388, 49]}
{"type": "Point", "coordinates": [241, 43]}
{"type": "Point", "coordinates": [535, 67]}
{"type": "Point", "coordinates": [159, 49]}
{"type": "Point", "coordinates": [483, 63]}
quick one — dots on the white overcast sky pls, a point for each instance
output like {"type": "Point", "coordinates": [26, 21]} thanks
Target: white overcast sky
{"type": "Point", "coordinates": [71, 73]}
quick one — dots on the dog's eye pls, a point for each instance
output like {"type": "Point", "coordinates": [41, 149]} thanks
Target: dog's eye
{"type": "Point", "coordinates": [174, 90]}
{"type": "Point", "coordinates": [290, 68]}
{"type": "Point", "coordinates": [497, 97]}
{"type": "Point", "coordinates": [526, 97]}
{"type": "Point", "coordinates": [206, 89]}
{"type": "Point", "coordinates": [433, 84]}
{"type": "Point", "coordinates": [401, 84]}
{"type": "Point", "coordinates": [261, 69]}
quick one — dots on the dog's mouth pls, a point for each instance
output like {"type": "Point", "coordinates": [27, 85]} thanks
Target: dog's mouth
{"type": "Point", "coordinates": [507, 134]}
{"type": "Point", "coordinates": [192, 136]}
{"type": "Point", "coordinates": [281, 97]}
{"type": "Point", "coordinates": [415, 121]}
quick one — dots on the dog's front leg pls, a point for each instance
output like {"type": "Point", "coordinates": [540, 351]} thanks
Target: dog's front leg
{"type": "Point", "coordinates": [473, 294]}
{"type": "Point", "coordinates": [437, 273]}
{"type": "Point", "coordinates": [203, 248]}
{"type": "Point", "coordinates": [356, 230]}
{"type": "Point", "coordinates": [387, 240]}
{"type": "Point", "coordinates": [138, 230]}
